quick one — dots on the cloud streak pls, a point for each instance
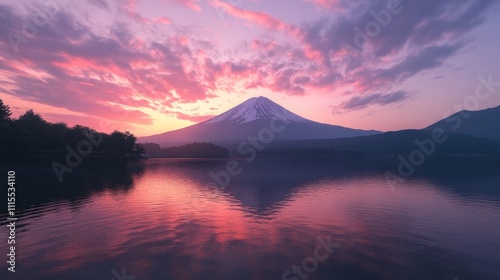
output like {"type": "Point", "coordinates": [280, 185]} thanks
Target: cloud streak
{"type": "Point", "coordinates": [260, 18]}
{"type": "Point", "coordinates": [360, 102]}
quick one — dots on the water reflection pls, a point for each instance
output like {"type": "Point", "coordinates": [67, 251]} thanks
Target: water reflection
{"type": "Point", "coordinates": [164, 219]}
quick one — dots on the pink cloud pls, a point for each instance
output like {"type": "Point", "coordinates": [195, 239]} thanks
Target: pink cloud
{"type": "Point", "coordinates": [111, 77]}
{"type": "Point", "coordinates": [263, 19]}
{"type": "Point", "coordinates": [129, 8]}
{"type": "Point", "coordinates": [164, 20]}
{"type": "Point", "coordinates": [330, 4]}
{"type": "Point", "coordinates": [188, 3]}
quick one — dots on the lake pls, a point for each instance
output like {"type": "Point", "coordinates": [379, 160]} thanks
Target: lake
{"type": "Point", "coordinates": [277, 219]}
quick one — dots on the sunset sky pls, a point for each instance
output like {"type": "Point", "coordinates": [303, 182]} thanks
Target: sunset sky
{"type": "Point", "coordinates": [150, 66]}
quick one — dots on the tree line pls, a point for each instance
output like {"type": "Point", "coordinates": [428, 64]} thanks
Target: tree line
{"type": "Point", "coordinates": [31, 135]}
{"type": "Point", "coordinates": [191, 150]}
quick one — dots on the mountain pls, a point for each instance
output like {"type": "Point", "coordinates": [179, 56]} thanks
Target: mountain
{"type": "Point", "coordinates": [466, 132]}
{"type": "Point", "coordinates": [482, 123]}
{"type": "Point", "coordinates": [250, 118]}
{"type": "Point", "coordinates": [394, 142]}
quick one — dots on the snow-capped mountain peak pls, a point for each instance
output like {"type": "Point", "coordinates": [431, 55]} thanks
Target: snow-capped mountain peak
{"type": "Point", "coordinates": [254, 109]}
{"type": "Point", "coordinates": [249, 118]}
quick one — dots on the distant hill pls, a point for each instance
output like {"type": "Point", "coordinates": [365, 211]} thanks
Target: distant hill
{"type": "Point", "coordinates": [467, 132]}
{"type": "Point", "coordinates": [392, 143]}
{"type": "Point", "coordinates": [193, 150]}
{"type": "Point", "coordinates": [484, 123]}
{"type": "Point", "coordinates": [248, 119]}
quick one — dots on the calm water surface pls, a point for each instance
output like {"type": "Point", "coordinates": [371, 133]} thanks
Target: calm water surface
{"type": "Point", "coordinates": [165, 219]}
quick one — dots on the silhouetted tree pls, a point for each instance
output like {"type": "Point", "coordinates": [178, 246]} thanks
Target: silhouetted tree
{"type": "Point", "coordinates": [58, 135]}
{"type": "Point", "coordinates": [5, 112]}
{"type": "Point", "coordinates": [34, 129]}
{"type": "Point", "coordinates": [30, 134]}
{"type": "Point", "coordinates": [31, 118]}
{"type": "Point", "coordinates": [122, 143]}
{"type": "Point", "coordinates": [139, 149]}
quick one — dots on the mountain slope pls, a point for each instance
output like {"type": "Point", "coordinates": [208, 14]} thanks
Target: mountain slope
{"type": "Point", "coordinates": [403, 141]}
{"type": "Point", "coordinates": [484, 123]}
{"type": "Point", "coordinates": [247, 119]}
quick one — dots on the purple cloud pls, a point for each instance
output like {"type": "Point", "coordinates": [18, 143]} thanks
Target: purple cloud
{"type": "Point", "coordinates": [360, 102]}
